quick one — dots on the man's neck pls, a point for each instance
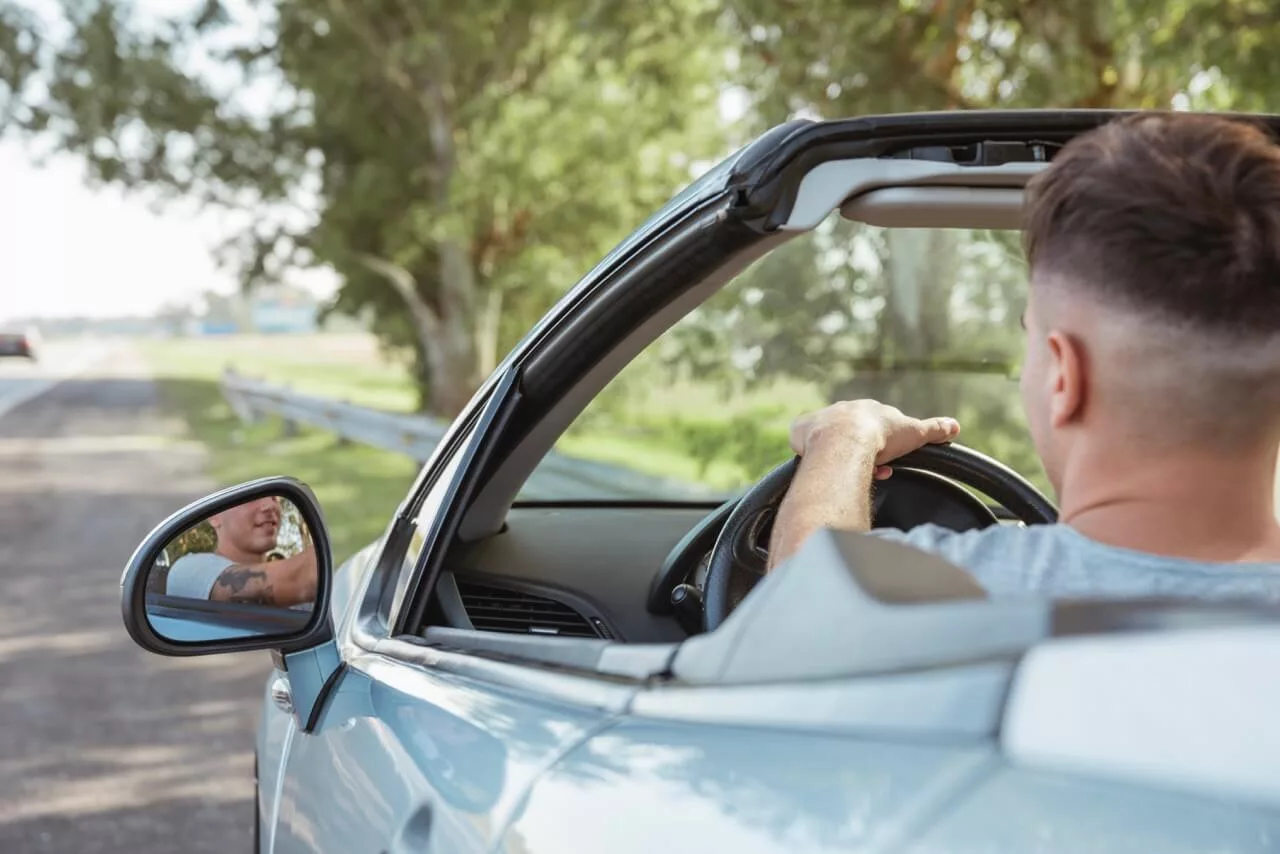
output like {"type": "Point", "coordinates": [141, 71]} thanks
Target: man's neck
{"type": "Point", "coordinates": [1218, 508]}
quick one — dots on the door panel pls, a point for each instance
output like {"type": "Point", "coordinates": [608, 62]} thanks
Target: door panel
{"type": "Point", "coordinates": [275, 733]}
{"type": "Point", "coordinates": [1023, 810]}
{"type": "Point", "coordinates": [405, 758]}
{"type": "Point", "coordinates": [700, 788]}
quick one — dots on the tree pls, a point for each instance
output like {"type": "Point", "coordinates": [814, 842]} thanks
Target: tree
{"type": "Point", "coordinates": [835, 58]}
{"type": "Point", "coordinates": [803, 310]}
{"type": "Point", "coordinates": [457, 166]}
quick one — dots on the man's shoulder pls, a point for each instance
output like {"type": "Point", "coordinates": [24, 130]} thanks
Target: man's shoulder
{"type": "Point", "coordinates": [193, 574]}
{"type": "Point", "coordinates": [930, 536]}
{"type": "Point", "coordinates": [1056, 559]}
{"type": "Point", "coordinates": [1003, 558]}
{"type": "Point", "coordinates": [200, 560]}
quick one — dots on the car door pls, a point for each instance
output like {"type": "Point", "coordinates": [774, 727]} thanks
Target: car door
{"type": "Point", "coordinates": [415, 749]}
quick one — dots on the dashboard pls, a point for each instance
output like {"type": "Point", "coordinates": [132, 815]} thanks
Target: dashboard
{"type": "Point", "coordinates": [609, 570]}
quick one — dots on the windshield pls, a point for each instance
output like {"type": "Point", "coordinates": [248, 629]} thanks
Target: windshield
{"type": "Point", "coordinates": [925, 319]}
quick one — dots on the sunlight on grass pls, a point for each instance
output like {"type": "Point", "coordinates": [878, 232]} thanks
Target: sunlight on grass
{"type": "Point", "coordinates": [342, 367]}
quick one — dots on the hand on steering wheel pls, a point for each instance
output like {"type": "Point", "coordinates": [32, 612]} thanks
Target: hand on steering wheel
{"type": "Point", "coordinates": [737, 564]}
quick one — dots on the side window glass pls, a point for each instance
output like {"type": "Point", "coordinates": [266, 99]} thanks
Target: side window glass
{"type": "Point", "coordinates": [431, 506]}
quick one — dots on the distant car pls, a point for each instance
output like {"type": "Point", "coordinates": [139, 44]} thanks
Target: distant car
{"type": "Point", "coordinates": [20, 343]}
{"type": "Point", "coordinates": [503, 674]}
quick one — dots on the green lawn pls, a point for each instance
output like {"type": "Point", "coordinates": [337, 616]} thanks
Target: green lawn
{"type": "Point", "coordinates": [341, 366]}
{"type": "Point", "coordinates": [359, 487]}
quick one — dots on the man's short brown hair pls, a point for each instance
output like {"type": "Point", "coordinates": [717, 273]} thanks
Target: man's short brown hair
{"type": "Point", "coordinates": [1175, 215]}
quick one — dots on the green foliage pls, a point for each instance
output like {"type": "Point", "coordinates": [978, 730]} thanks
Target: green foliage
{"type": "Point", "coordinates": [751, 442]}
{"type": "Point", "coordinates": [837, 58]}
{"type": "Point", "coordinates": [458, 166]}
{"type": "Point", "coordinates": [196, 539]}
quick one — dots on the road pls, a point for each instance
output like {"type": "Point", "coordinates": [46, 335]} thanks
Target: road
{"type": "Point", "coordinates": [105, 748]}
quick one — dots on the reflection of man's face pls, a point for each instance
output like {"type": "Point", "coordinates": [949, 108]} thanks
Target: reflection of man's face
{"type": "Point", "coordinates": [250, 528]}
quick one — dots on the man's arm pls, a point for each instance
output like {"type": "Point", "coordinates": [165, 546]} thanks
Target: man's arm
{"type": "Point", "coordinates": [282, 583]}
{"type": "Point", "coordinates": [831, 489]}
{"type": "Point", "coordinates": [843, 449]}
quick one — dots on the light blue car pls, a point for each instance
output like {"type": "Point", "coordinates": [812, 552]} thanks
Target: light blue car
{"type": "Point", "coordinates": [610, 671]}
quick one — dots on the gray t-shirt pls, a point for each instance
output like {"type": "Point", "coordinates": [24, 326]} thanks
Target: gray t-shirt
{"type": "Point", "coordinates": [193, 574]}
{"type": "Point", "coordinates": [1059, 561]}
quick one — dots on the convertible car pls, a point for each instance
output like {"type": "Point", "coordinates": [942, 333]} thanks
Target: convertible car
{"type": "Point", "coordinates": [617, 674]}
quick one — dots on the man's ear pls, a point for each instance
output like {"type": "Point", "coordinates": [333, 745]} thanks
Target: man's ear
{"type": "Point", "coordinates": [1068, 378]}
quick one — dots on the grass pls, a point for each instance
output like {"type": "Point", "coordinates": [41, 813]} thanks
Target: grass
{"type": "Point", "coordinates": [340, 366]}
{"type": "Point", "coordinates": [359, 487]}
{"type": "Point", "coordinates": [669, 429]}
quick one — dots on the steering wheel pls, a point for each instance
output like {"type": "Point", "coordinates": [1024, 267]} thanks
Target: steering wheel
{"type": "Point", "coordinates": [737, 564]}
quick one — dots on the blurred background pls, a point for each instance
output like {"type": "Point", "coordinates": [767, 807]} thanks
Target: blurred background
{"type": "Point", "coordinates": [238, 228]}
{"type": "Point", "coordinates": [373, 201]}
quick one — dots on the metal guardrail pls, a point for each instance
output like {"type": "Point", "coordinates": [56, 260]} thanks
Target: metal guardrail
{"type": "Point", "coordinates": [557, 477]}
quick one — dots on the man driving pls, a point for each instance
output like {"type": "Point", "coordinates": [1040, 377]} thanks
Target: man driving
{"type": "Point", "coordinates": [1151, 379]}
{"type": "Point", "coordinates": [238, 569]}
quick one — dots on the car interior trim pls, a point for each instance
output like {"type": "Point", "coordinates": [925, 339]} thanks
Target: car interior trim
{"type": "Point", "coordinates": [964, 701]}
{"type": "Point", "coordinates": [937, 207]}
{"type": "Point", "coordinates": [638, 661]}
{"type": "Point", "coordinates": [834, 184]}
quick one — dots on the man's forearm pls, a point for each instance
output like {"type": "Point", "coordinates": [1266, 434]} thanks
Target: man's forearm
{"type": "Point", "coordinates": [282, 583]}
{"type": "Point", "coordinates": [832, 489]}
{"type": "Point", "coordinates": [294, 578]}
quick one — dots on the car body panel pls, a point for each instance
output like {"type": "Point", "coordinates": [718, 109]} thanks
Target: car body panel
{"type": "Point", "coordinates": [397, 742]}
{"type": "Point", "coordinates": [1019, 810]}
{"type": "Point", "coordinates": [747, 790]}
{"type": "Point", "coordinates": [767, 791]}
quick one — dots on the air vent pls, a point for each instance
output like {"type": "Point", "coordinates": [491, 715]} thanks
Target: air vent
{"type": "Point", "coordinates": [494, 609]}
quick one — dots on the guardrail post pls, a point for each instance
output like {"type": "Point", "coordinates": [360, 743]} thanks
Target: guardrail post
{"type": "Point", "coordinates": [240, 404]}
{"type": "Point", "coordinates": [343, 439]}
{"type": "Point", "coordinates": [290, 425]}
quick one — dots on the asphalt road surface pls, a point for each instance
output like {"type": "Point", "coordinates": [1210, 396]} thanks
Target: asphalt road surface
{"type": "Point", "coordinates": [103, 747]}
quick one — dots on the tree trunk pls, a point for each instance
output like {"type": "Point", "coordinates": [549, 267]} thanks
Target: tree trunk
{"type": "Point", "coordinates": [445, 341]}
{"type": "Point", "coordinates": [914, 326]}
{"type": "Point", "coordinates": [488, 325]}
{"type": "Point", "coordinates": [449, 343]}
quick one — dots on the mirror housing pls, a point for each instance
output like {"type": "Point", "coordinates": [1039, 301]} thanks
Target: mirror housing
{"type": "Point", "coordinates": [207, 627]}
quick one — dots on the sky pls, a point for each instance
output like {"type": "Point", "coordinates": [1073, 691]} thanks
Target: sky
{"type": "Point", "coordinates": [67, 249]}
{"type": "Point", "coordinates": [70, 250]}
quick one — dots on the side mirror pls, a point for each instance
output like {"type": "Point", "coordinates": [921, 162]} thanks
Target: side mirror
{"type": "Point", "coordinates": [248, 567]}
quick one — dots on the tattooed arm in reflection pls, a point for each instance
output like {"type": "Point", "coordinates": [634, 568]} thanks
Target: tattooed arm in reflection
{"type": "Point", "coordinates": [282, 583]}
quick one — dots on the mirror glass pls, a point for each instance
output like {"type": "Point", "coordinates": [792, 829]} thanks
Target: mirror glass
{"type": "Point", "coordinates": [247, 571]}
